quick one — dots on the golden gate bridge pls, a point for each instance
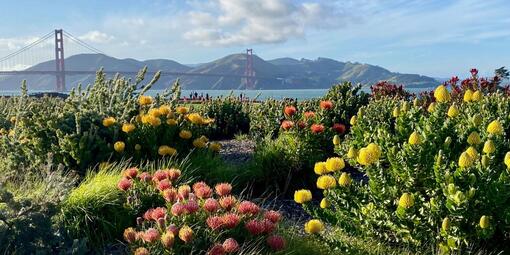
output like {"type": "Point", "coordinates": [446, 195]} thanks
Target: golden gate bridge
{"type": "Point", "coordinates": [13, 62]}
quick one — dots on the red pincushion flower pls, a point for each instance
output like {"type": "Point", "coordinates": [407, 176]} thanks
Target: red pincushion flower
{"type": "Point", "coordinates": [269, 226]}
{"type": "Point", "coordinates": [227, 202]}
{"type": "Point", "coordinates": [170, 195]}
{"type": "Point", "coordinates": [131, 173]}
{"type": "Point", "coordinates": [217, 249]}
{"type": "Point", "coordinates": [215, 222]}
{"type": "Point", "coordinates": [159, 175]}
{"type": "Point", "coordinates": [326, 105]}
{"type": "Point", "coordinates": [178, 209]}
{"type": "Point", "coordinates": [339, 128]}
{"type": "Point", "coordinates": [124, 184]}
{"type": "Point", "coordinates": [255, 227]}
{"type": "Point", "coordinates": [290, 110]}
{"type": "Point", "coordinates": [301, 124]}
{"type": "Point", "coordinates": [151, 235]}
{"type": "Point", "coordinates": [230, 245]}
{"type": "Point", "coordinates": [157, 213]}
{"type": "Point", "coordinates": [276, 242]}
{"type": "Point", "coordinates": [203, 192]}
{"type": "Point", "coordinates": [309, 114]}
{"type": "Point", "coordinates": [231, 220]}
{"type": "Point", "coordinates": [317, 128]}
{"type": "Point", "coordinates": [173, 174]}
{"type": "Point", "coordinates": [145, 177]}
{"type": "Point", "coordinates": [211, 205]}
{"type": "Point", "coordinates": [287, 124]}
{"type": "Point", "coordinates": [223, 189]}
{"type": "Point", "coordinates": [247, 207]}
{"type": "Point", "coordinates": [164, 184]}
{"type": "Point", "coordinates": [273, 216]}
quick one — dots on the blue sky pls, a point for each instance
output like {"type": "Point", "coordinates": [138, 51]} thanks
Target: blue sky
{"type": "Point", "coordinates": [439, 38]}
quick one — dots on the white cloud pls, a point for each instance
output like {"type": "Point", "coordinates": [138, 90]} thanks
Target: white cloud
{"type": "Point", "coordinates": [96, 37]}
{"type": "Point", "coordinates": [16, 43]}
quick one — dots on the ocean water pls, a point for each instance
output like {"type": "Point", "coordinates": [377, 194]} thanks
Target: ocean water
{"type": "Point", "coordinates": [300, 94]}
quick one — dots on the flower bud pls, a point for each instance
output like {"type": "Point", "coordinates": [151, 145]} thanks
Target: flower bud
{"type": "Point", "coordinates": [484, 222]}
{"type": "Point", "coordinates": [446, 224]}
{"type": "Point", "coordinates": [485, 161]}
{"type": "Point", "coordinates": [336, 140]}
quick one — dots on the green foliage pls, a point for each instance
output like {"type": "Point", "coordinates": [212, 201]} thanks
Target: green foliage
{"type": "Point", "coordinates": [229, 116]}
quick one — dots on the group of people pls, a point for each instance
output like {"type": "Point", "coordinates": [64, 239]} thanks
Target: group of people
{"type": "Point", "coordinates": [195, 96]}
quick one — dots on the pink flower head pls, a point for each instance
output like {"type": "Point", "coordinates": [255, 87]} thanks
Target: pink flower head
{"type": "Point", "coordinates": [287, 124]}
{"type": "Point", "coordinates": [317, 128]}
{"type": "Point", "coordinates": [215, 222]}
{"type": "Point", "coordinates": [273, 216]}
{"type": "Point", "coordinates": [223, 189]}
{"type": "Point", "coordinates": [158, 213]}
{"type": "Point", "coordinates": [231, 220]}
{"type": "Point", "coordinates": [247, 207]}
{"type": "Point", "coordinates": [191, 207]}
{"type": "Point", "coordinates": [145, 177]}
{"type": "Point", "coordinates": [173, 228]}
{"type": "Point", "coordinates": [217, 249]}
{"type": "Point", "coordinates": [255, 227]}
{"type": "Point", "coordinates": [230, 245]}
{"type": "Point", "coordinates": [326, 105]}
{"type": "Point", "coordinates": [159, 175]}
{"type": "Point", "coordinates": [309, 114]}
{"type": "Point", "coordinates": [164, 184]}
{"type": "Point", "coordinates": [170, 195]}
{"type": "Point", "coordinates": [269, 226]}
{"type": "Point", "coordinates": [203, 192]}
{"type": "Point", "coordinates": [124, 184]}
{"type": "Point", "coordinates": [178, 209]}
{"type": "Point", "coordinates": [151, 235]}
{"type": "Point", "coordinates": [290, 110]}
{"type": "Point", "coordinates": [184, 191]}
{"type": "Point", "coordinates": [131, 173]}
{"type": "Point", "coordinates": [148, 214]}
{"type": "Point", "coordinates": [173, 174]}
{"type": "Point", "coordinates": [198, 185]}
{"type": "Point", "coordinates": [228, 202]}
{"type": "Point", "coordinates": [339, 128]}
{"type": "Point", "coordinates": [474, 71]}
{"type": "Point", "coordinates": [276, 242]}
{"type": "Point", "coordinates": [211, 205]}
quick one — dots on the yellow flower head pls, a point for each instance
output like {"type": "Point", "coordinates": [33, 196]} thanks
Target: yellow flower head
{"type": "Point", "coordinates": [165, 110]}
{"type": "Point", "coordinates": [165, 150]}
{"type": "Point", "coordinates": [108, 122]}
{"type": "Point", "coordinates": [336, 140]}
{"type": "Point", "coordinates": [171, 122]}
{"type": "Point", "coordinates": [415, 138]}
{"type": "Point", "coordinates": [195, 118]}
{"type": "Point", "coordinates": [182, 110]}
{"type": "Point", "coordinates": [396, 112]}
{"type": "Point", "coordinates": [441, 94]}
{"type": "Point", "coordinates": [185, 134]}
{"type": "Point", "coordinates": [495, 128]}
{"type": "Point", "coordinates": [326, 182]}
{"type": "Point", "coordinates": [507, 160]}
{"type": "Point", "coordinates": [325, 203]}
{"type": "Point", "coordinates": [474, 138]}
{"type": "Point", "coordinates": [369, 154]}
{"type": "Point", "coordinates": [302, 196]}
{"type": "Point", "coordinates": [314, 226]}
{"type": "Point", "coordinates": [446, 224]}
{"type": "Point", "coordinates": [128, 127]}
{"type": "Point", "coordinates": [471, 151]}
{"type": "Point", "coordinates": [155, 112]}
{"type": "Point", "coordinates": [465, 160]}
{"type": "Point", "coordinates": [145, 100]}
{"type": "Point", "coordinates": [352, 153]}
{"type": "Point", "coordinates": [215, 147]}
{"type": "Point", "coordinates": [320, 168]}
{"type": "Point", "coordinates": [335, 164]}
{"type": "Point", "coordinates": [344, 180]}
{"type": "Point", "coordinates": [431, 108]}
{"type": "Point", "coordinates": [484, 222]}
{"type": "Point", "coordinates": [375, 149]}
{"type": "Point", "coordinates": [468, 95]}
{"type": "Point", "coordinates": [151, 120]}
{"type": "Point", "coordinates": [453, 111]}
{"type": "Point", "coordinates": [406, 201]}
{"type": "Point", "coordinates": [477, 96]}
{"type": "Point", "coordinates": [353, 120]}
{"type": "Point", "coordinates": [199, 143]}
{"type": "Point", "coordinates": [119, 146]}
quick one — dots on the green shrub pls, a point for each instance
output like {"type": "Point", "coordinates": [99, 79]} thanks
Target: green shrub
{"type": "Point", "coordinates": [229, 116]}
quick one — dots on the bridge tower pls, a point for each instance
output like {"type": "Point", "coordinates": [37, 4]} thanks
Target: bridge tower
{"type": "Point", "coordinates": [249, 72]}
{"type": "Point", "coordinates": [59, 60]}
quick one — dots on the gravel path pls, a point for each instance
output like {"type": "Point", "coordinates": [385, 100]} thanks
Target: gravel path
{"type": "Point", "coordinates": [237, 151]}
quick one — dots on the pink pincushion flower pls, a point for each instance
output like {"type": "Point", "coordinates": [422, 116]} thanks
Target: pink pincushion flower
{"type": "Point", "coordinates": [273, 216]}
{"type": "Point", "coordinates": [124, 184]}
{"type": "Point", "coordinates": [255, 227]}
{"type": "Point", "coordinates": [145, 177]}
{"type": "Point", "coordinates": [191, 207]}
{"type": "Point", "coordinates": [247, 207]}
{"type": "Point", "coordinates": [151, 235]}
{"type": "Point", "coordinates": [215, 222]}
{"type": "Point", "coordinates": [317, 128]}
{"type": "Point", "coordinates": [173, 228]}
{"type": "Point", "coordinates": [170, 195]}
{"type": "Point", "coordinates": [178, 209]}
{"type": "Point", "coordinates": [131, 173]}
{"type": "Point", "coordinates": [223, 189]}
{"type": "Point", "coordinates": [203, 192]}
{"type": "Point", "coordinates": [158, 213]}
{"type": "Point", "coordinates": [268, 226]}
{"type": "Point", "coordinates": [148, 214]}
{"type": "Point", "coordinates": [231, 220]}
{"type": "Point", "coordinates": [184, 191]}
{"type": "Point", "coordinates": [276, 242]}
{"type": "Point", "coordinates": [159, 175]}
{"type": "Point", "coordinates": [230, 245]}
{"type": "Point", "coordinates": [198, 185]}
{"type": "Point", "coordinates": [228, 202]}
{"type": "Point", "coordinates": [211, 205]}
{"type": "Point", "coordinates": [164, 184]}
{"type": "Point", "coordinates": [217, 249]}
{"type": "Point", "coordinates": [173, 174]}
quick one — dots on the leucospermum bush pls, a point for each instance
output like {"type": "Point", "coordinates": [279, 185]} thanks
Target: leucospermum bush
{"type": "Point", "coordinates": [199, 218]}
{"type": "Point", "coordinates": [433, 175]}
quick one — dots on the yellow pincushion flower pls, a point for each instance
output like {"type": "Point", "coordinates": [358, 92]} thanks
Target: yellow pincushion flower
{"type": "Point", "coordinates": [128, 128]}
{"type": "Point", "coordinates": [468, 95]}
{"type": "Point", "coordinates": [353, 120]}
{"type": "Point", "coordinates": [344, 180]}
{"type": "Point", "coordinates": [181, 110]}
{"type": "Point", "coordinates": [195, 118]}
{"type": "Point", "coordinates": [215, 147]}
{"type": "Point", "coordinates": [441, 94]}
{"type": "Point", "coordinates": [145, 100]}
{"type": "Point", "coordinates": [199, 143]}
{"type": "Point", "coordinates": [507, 160]}
{"type": "Point", "coordinates": [453, 111]}
{"type": "Point", "coordinates": [165, 110]}
{"type": "Point", "coordinates": [314, 226]}
{"type": "Point", "coordinates": [477, 96]}
{"type": "Point", "coordinates": [396, 112]}
{"type": "Point", "coordinates": [325, 203]}
{"type": "Point", "coordinates": [445, 225]}
{"type": "Point", "coordinates": [154, 121]}
{"type": "Point", "coordinates": [415, 138]}
{"type": "Point", "coordinates": [154, 112]}
{"type": "Point", "coordinates": [431, 108]}
{"type": "Point", "coordinates": [484, 222]}
{"type": "Point", "coordinates": [375, 149]}
{"type": "Point", "coordinates": [474, 138]}
{"type": "Point", "coordinates": [326, 182]}
{"type": "Point", "coordinates": [472, 152]}
{"type": "Point", "coordinates": [119, 146]}
{"type": "Point", "coordinates": [369, 154]}
{"type": "Point", "coordinates": [335, 164]}
{"type": "Point", "coordinates": [406, 201]}
{"type": "Point", "coordinates": [336, 140]}
{"type": "Point", "coordinates": [302, 196]}
{"type": "Point", "coordinates": [171, 122]}
{"type": "Point", "coordinates": [185, 134]}
{"type": "Point", "coordinates": [465, 160]}
{"type": "Point", "coordinates": [352, 153]}
{"type": "Point", "coordinates": [320, 168]}
{"type": "Point", "coordinates": [495, 128]}
{"type": "Point", "coordinates": [165, 150]}
{"type": "Point", "coordinates": [108, 122]}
